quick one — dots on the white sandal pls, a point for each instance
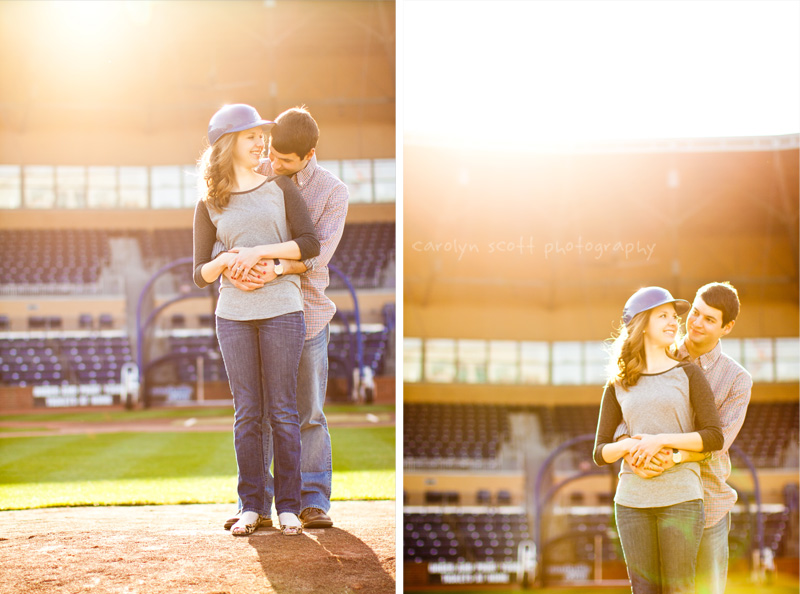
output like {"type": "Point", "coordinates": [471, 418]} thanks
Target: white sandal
{"type": "Point", "coordinates": [247, 524]}
{"type": "Point", "coordinates": [290, 524]}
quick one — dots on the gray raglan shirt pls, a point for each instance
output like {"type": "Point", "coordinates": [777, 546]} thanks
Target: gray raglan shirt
{"type": "Point", "coordinates": [678, 400]}
{"type": "Point", "coordinates": [273, 212]}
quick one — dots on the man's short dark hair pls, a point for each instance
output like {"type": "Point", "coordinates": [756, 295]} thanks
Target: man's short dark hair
{"type": "Point", "coordinates": [721, 296]}
{"type": "Point", "coordinates": [295, 131]}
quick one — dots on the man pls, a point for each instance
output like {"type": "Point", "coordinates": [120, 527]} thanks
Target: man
{"type": "Point", "coordinates": [713, 315]}
{"type": "Point", "coordinates": [292, 152]}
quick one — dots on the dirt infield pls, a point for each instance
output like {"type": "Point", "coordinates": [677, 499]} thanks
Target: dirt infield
{"type": "Point", "coordinates": [38, 428]}
{"type": "Point", "coordinates": [183, 548]}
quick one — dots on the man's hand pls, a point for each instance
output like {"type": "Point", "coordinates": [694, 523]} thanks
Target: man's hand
{"type": "Point", "coordinates": [259, 275]}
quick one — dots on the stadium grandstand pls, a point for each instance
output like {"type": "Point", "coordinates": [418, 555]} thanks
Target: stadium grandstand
{"type": "Point", "coordinates": [98, 184]}
{"type": "Point", "coordinates": [513, 280]}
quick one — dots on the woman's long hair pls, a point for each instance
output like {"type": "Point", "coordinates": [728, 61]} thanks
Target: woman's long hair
{"type": "Point", "coordinates": [216, 168]}
{"type": "Point", "coordinates": [627, 359]}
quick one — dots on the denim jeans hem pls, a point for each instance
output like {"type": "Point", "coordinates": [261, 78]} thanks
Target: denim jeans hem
{"type": "Point", "coordinates": [323, 505]}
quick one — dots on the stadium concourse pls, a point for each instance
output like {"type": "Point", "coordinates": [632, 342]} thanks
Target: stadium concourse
{"type": "Point", "coordinates": [512, 283]}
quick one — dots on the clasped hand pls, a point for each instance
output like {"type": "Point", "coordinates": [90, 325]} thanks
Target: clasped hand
{"type": "Point", "coordinates": [250, 279]}
{"type": "Point", "coordinates": [648, 457]}
{"type": "Point", "coordinates": [243, 260]}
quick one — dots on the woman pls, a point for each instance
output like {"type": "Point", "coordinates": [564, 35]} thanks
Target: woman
{"type": "Point", "coordinates": [260, 332]}
{"type": "Point", "coordinates": [665, 404]}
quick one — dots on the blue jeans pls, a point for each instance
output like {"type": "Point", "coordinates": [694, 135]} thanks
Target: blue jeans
{"type": "Point", "coordinates": [261, 358]}
{"type": "Point", "coordinates": [660, 546]}
{"type": "Point", "coordinates": [712, 560]}
{"type": "Point", "coordinates": [315, 460]}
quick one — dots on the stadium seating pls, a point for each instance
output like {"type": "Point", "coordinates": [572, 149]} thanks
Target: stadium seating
{"type": "Point", "coordinates": [769, 432]}
{"type": "Point", "coordinates": [53, 361]}
{"type": "Point", "coordinates": [53, 256]}
{"type": "Point", "coordinates": [341, 349]}
{"type": "Point", "coordinates": [435, 430]}
{"type": "Point", "coordinates": [467, 536]}
{"type": "Point", "coordinates": [94, 359]}
{"type": "Point", "coordinates": [462, 432]}
{"type": "Point", "coordinates": [65, 260]}
{"type": "Point", "coordinates": [365, 252]}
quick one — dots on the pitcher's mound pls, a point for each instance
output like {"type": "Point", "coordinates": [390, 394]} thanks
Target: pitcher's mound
{"type": "Point", "coordinates": [184, 548]}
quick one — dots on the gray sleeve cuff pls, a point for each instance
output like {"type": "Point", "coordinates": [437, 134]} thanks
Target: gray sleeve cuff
{"type": "Point", "coordinates": [310, 264]}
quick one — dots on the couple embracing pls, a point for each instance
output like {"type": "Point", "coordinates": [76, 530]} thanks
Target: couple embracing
{"type": "Point", "coordinates": [268, 227]}
{"type": "Point", "coordinates": [671, 408]}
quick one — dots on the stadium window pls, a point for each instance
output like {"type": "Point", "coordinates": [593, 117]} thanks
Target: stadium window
{"type": "Point", "coordinates": [103, 187]}
{"type": "Point", "coordinates": [39, 186]}
{"type": "Point", "coordinates": [503, 362]}
{"type": "Point", "coordinates": [412, 359]}
{"type": "Point", "coordinates": [10, 186]}
{"type": "Point", "coordinates": [595, 362]}
{"type": "Point", "coordinates": [787, 355]}
{"type": "Point", "coordinates": [440, 360]}
{"type": "Point", "coordinates": [534, 362]}
{"type": "Point", "coordinates": [732, 347]}
{"type": "Point", "coordinates": [70, 187]}
{"type": "Point", "coordinates": [758, 359]}
{"type": "Point", "coordinates": [165, 187]}
{"type": "Point", "coordinates": [133, 190]}
{"type": "Point", "coordinates": [567, 363]}
{"type": "Point", "coordinates": [472, 359]}
{"type": "Point", "coordinates": [335, 167]}
{"type": "Point", "coordinates": [357, 175]}
{"type": "Point", "coordinates": [385, 176]}
{"type": "Point", "coordinates": [190, 177]}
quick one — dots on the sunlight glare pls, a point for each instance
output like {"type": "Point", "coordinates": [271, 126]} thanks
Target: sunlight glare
{"type": "Point", "coordinates": [554, 73]}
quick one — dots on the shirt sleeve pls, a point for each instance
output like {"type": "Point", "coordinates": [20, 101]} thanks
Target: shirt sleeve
{"type": "Point", "coordinates": [301, 228]}
{"type": "Point", "coordinates": [204, 235]}
{"type": "Point", "coordinates": [705, 409]}
{"type": "Point", "coordinates": [610, 417]}
{"type": "Point", "coordinates": [733, 409]}
{"type": "Point", "coordinates": [331, 226]}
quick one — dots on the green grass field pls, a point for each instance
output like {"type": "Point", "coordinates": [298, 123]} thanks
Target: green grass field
{"type": "Point", "coordinates": [168, 467]}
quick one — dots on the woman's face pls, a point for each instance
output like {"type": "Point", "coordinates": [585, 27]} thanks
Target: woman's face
{"type": "Point", "coordinates": [662, 327]}
{"type": "Point", "coordinates": [249, 147]}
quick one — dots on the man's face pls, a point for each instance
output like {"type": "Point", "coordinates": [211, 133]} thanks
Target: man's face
{"type": "Point", "coordinates": [287, 163]}
{"type": "Point", "coordinates": [704, 325]}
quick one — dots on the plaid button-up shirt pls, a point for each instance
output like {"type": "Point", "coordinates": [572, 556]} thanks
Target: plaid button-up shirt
{"type": "Point", "coordinates": [731, 385]}
{"type": "Point", "coordinates": [326, 197]}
